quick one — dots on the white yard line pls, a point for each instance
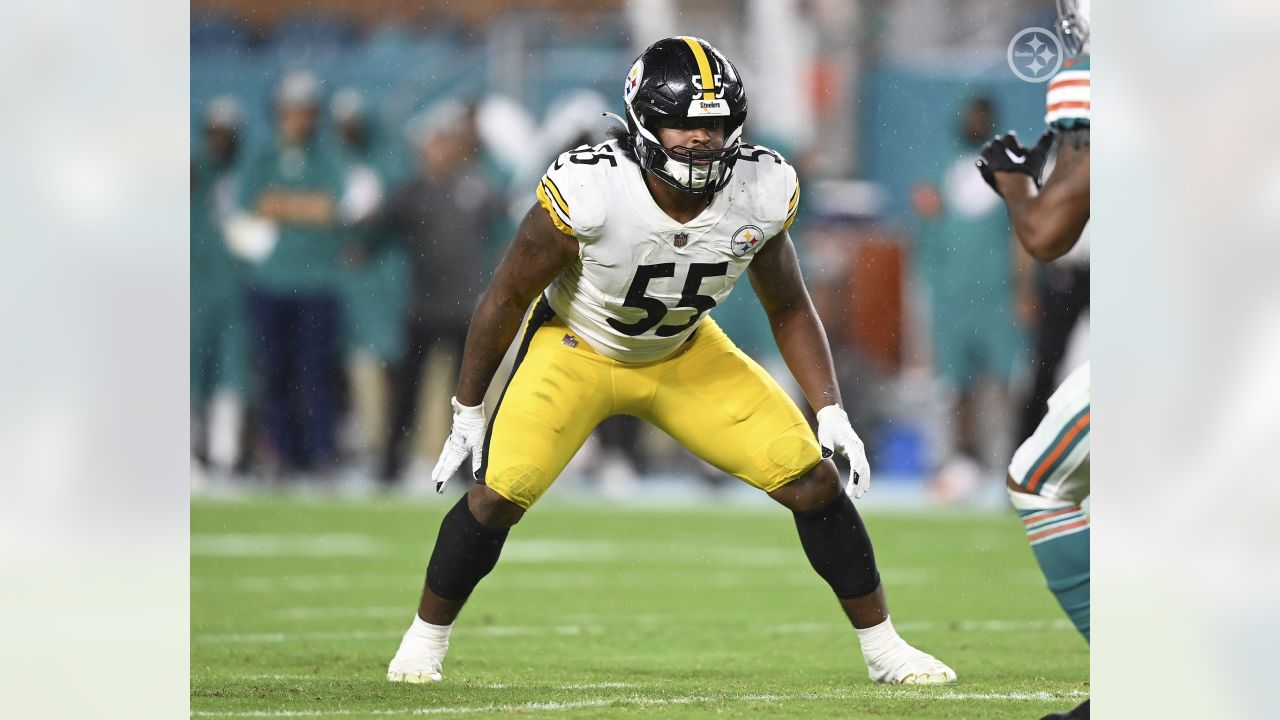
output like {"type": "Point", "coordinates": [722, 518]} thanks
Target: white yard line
{"type": "Point", "coordinates": [969, 626]}
{"type": "Point", "coordinates": [280, 637]}
{"type": "Point", "coordinates": [512, 580]}
{"type": "Point", "coordinates": [987, 625]}
{"type": "Point", "coordinates": [517, 552]}
{"type": "Point", "coordinates": [300, 583]}
{"type": "Point", "coordinates": [574, 686]}
{"type": "Point", "coordinates": [319, 613]}
{"type": "Point", "coordinates": [525, 578]}
{"type": "Point", "coordinates": [264, 545]}
{"type": "Point", "coordinates": [925, 626]}
{"type": "Point", "coordinates": [643, 701]}
{"type": "Point", "coordinates": [1038, 695]}
{"type": "Point", "coordinates": [287, 677]}
{"type": "Point", "coordinates": [488, 630]}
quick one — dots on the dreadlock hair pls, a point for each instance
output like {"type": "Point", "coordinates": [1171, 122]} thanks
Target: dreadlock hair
{"type": "Point", "coordinates": [625, 147]}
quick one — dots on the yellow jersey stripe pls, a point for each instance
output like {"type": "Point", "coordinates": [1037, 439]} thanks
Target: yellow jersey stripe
{"type": "Point", "coordinates": [792, 207]}
{"type": "Point", "coordinates": [549, 205]}
{"type": "Point", "coordinates": [704, 68]}
{"type": "Point", "coordinates": [555, 192]}
{"type": "Point", "coordinates": [556, 206]}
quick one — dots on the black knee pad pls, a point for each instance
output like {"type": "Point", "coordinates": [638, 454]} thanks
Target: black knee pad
{"type": "Point", "coordinates": [838, 547]}
{"type": "Point", "coordinates": [465, 552]}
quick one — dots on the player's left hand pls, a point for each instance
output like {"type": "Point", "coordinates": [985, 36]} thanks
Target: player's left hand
{"type": "Point", "coordinates": [835, 434]}
{"type": "Point", "coordinates": [1004, 153]}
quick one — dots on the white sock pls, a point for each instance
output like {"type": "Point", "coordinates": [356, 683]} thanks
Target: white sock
{"type": "Point", "coordinates": [434, 637]}
{"type": "Point", "coordinates": [878, 638]}
{"type": "Point", "coordinates": [226, 415]}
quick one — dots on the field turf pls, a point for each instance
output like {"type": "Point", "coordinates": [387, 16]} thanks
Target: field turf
{"type": "Point", "coordinates": [607, 611]}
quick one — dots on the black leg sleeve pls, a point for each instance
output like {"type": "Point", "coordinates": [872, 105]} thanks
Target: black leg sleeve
{"type": "Point", "coordinates": [839, 548]}
{"type": "Point", "coordinates": [465, 552]}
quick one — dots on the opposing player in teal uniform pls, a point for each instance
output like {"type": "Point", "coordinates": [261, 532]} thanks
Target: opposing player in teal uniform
{"type": "Point", "coordinates": [1049, 474]}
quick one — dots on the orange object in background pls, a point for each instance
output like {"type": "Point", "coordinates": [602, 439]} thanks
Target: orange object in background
{"type": "Point", "coordinates": [874, 294]}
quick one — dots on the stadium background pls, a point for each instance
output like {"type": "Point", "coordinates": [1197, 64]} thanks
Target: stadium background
{"type": "Point", "coordinates": [864, 98]}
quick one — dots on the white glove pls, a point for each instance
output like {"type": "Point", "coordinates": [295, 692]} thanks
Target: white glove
{"type": "Point", "coordinates": [836, 434]}
{"type": "Point", "coordinates": [466, 438]}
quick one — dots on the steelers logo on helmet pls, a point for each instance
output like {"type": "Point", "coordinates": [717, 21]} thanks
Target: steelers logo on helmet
{"type": "Point", "coordinates": [685, 78]}
{"type": "Point", "coordinates": [633, 81]}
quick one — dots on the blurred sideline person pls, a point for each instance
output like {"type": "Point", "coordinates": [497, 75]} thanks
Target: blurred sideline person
{"type": "Point", "coordinates": [219, 338]}
{"type": "Point", "coordinates": [442, 217]}
{"type": "Point", "coordinates": [1049, 475]}
{"type": "Point", "coordinates": [375, 281]}
{"type": "Point", "coordinates": [630, 244]}
{"type": "Point", "coordinates": [966, 258]}
{"type": "Point", "coordinates": [295, 183]}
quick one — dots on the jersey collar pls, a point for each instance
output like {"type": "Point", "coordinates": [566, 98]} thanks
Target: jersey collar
{"type": "Point", "coordinates": [649, 210]}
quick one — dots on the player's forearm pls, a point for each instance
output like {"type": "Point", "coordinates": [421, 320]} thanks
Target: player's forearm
{"type": "Point", "coordinates": [802, 341]}
{"type": "Point", "coordinates": [316, 209]}
{"type": "Point", "coordinates": [493, 327]}
{"type": "Point", "coordinates": [302, 208]}
{"type": "Point", "coordinates": [1044, 221]}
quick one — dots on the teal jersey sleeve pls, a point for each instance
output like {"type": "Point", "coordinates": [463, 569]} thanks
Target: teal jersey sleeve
{"type": "Point", "coordinates": [1067, 103]}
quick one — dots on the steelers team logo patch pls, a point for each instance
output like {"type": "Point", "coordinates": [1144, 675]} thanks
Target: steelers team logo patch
{"type": "Point", "coordinates": [745, 240]}
{"type": "Point", "coordinates": [633, 81]}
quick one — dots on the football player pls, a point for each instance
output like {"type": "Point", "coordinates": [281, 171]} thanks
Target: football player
{"type": "Point", "coordinates": [1049, 474]}
{"type": "Point", "coordinates": [629, 245]}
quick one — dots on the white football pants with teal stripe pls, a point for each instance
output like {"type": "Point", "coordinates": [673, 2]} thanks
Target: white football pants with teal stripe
{"type": "Point", "coordinates": [1051, 471]}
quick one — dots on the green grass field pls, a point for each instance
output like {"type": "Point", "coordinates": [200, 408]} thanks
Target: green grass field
{"type": "Point", "coordinates": [604, 611]}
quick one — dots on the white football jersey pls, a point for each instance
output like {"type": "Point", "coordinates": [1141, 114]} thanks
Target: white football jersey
{"type": "Point", "coordinates": [643, 281]}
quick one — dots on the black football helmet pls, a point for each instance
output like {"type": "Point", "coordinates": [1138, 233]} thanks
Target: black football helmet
{"type": "Point", "coordinates": [1073, 25]}
{"type": "Point", "coordinates": [684, 77]}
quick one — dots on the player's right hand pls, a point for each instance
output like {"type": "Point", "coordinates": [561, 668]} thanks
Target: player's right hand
{"type": "Point", "coordinates": [466, 438]}
{"type": "Point", "coordinates": [835, 434]}
{"type": "Point", "coordinates": [1003, 153]}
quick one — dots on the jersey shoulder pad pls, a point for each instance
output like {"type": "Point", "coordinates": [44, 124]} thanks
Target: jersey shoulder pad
{"type": "Point", "coordinates": [1067, 103]}
{"type": "Point", "coordinates": [771, 185]}
{"type": "Point", "coordinates": [574, 190]}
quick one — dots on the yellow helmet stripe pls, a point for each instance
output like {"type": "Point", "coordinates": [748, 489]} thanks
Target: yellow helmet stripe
{"type": "Point", "coordinates": [704, 68]}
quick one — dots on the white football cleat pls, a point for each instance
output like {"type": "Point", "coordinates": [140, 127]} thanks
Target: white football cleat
{"type": "Point", "coordinates": [418, 670]}
{"type": "Point", "coordinates": [417, 661]}
{"type": "Point", "coordinates": [905, 665]}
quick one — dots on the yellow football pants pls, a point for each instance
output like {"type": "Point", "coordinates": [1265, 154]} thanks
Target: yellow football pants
{"type": "Point", "coordinates": [708, 395]}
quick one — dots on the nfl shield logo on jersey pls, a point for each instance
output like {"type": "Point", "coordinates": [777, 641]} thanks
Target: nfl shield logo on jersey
{"type": "Point", "coordinates": [745, 240]}
{"type": "Point", "coordinates": [680, 239]}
